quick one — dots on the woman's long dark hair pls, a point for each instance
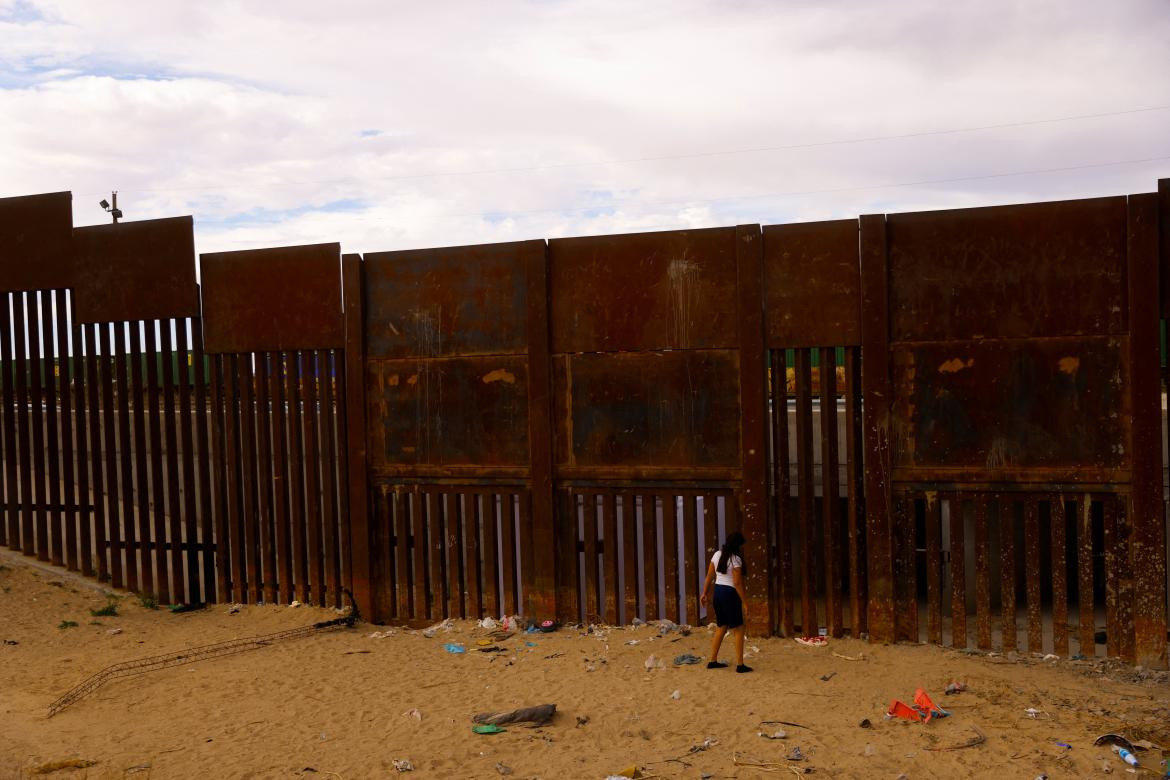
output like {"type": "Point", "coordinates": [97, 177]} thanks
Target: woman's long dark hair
{"type": "Point", "coordinates": [732, 545]}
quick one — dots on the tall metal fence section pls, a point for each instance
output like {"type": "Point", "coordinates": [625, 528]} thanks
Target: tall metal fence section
{"type": "Point", "coordinates": [939, 426]}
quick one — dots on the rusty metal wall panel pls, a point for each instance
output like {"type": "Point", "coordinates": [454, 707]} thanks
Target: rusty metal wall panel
{"type": "Point", "coordinates": [1041, 269]}
{"type": "Point", "coordinates": [1147, 540]}
{"type": "Point", "coordinates": [270, 300]}
{"type": "Point", "coordinates": [136, 271]}
{"type": "Point", "coordinates": [36, 242]}
{"type": "Point", "coordinates": [812, 284]}
{"type": "Point", "coordinates": [644, 291]}
{"type": "Point", "coordinates": [661, 409]}
{"type": "Point", "coordinates": [1012, 410]}
{"type": "Point", "coordinates": [1164, 243]}
{"type": "Point", "coordinates": [469, 300]}
{"type": "Point", "coordinates": [470, 411]}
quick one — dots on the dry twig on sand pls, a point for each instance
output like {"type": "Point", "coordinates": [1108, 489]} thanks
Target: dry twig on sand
{"type": "Point", "coordinates": [974, 741]}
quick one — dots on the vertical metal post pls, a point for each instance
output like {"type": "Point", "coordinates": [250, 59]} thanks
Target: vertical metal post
{"type": "Point", "coordinates": [875, 379]}
{"type": "Point", "coordinates": [753, 499]}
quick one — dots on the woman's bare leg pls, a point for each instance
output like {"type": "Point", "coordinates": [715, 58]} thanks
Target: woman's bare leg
{"type": "Point", "coordinates": [716, 641]}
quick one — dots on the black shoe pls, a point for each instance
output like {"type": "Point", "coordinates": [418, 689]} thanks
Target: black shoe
{"type": "Point", "coordinates": [743, 669]}
{"type": "Point", "coordinates": [716, 665]}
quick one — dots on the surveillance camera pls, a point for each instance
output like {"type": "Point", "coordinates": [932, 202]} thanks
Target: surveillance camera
{"type": "Point", "coordinates": [105, 204]}
{"type": "Point", "coordinates": [116, 213]}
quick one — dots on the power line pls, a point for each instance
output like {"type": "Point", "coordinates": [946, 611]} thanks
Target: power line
{"type": "Point", "coordinates": [826, 191]}
{"type": "Point", "coordinates": [685, 155]}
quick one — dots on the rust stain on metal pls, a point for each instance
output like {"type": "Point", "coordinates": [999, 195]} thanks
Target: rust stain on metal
{"type": "Point", "coordinates": [1021, 411]}
{"type": "Point", "coordinates": [1069, 365]}
{"type": "Point", "coordinates": [469, 300]}
{"type": "Point", "coordinates": [960, 274]}
{"type": "Point", "coordinates": [643, 291]}
{"type": "Point", "coordinates": [812, 284]}
{"type": "Point", "coordinates": [677, 408]}
{"type": "Point", "coordinates": [499, 375]}
{"type": "Point", "coordinates": [955, 365]}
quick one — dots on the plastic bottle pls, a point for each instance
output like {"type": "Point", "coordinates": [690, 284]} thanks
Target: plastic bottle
{"type": "Point", "coordinates": [1127, 757]}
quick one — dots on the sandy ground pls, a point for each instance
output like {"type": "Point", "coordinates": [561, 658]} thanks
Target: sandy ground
{"type": "Point", "coordinates": [337, 704]}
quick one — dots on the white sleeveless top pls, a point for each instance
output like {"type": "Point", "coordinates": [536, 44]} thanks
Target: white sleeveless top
{"type": "Point", "coordinates": [722, 578]}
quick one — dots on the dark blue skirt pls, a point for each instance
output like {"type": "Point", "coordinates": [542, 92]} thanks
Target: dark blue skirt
{"type": "Point", "coordinates": [728, 607]}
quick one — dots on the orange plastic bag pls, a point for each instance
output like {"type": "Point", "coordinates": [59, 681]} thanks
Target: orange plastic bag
{"type": "Point", "coordinates": [923, 703]}
{"type": "Point", "coordinates": [900, 709]}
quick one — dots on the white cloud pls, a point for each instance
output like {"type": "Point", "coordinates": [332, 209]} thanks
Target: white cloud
{"type": "Point", "coordinates": [251, 116]}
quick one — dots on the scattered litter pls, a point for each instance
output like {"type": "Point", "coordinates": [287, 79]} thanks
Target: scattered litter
{"type": "Point", "coordinates": [492, 649]}
{"type": "Point", "coordinates": [1114, 739]}
{"type": "Point", "coordinates": [706, 744]}
{"type": "Point", "coordinates": [487, 623]}
{"type": "Point", "coordinates": [632, 642]}
{"type": "Point", "coordinates": [68, 763]}
{"type": "Point", "coordinates": [540, 715]}
{"type": "Point", "coordinates": [1036, 714]}
{"type": "Point", "coordinates": [923, 710]}
{"type": "Point", "coordinates": [488, 728]}
{"type": "Point", "coordinates": [631, 773]}
{"type": "Point", "coordinates": [858, 657]}
{"type": "Point", "coordinates": [294, 605]}
{"type": "Point", "coordinates": [446, 626]}
{"type": "Point", "coordinates": [403, 764]}
{"type": "Point", "coordinates": [11, 642]}
{"type": "Point", "coordinates": [503, 769]}
{"type": "Point", "coordinates": [382, 634]}
{"type": "Point", "coordinates": [131, 770]}
{"type": "Point", "coordinates": [413, 713]}
{"type": "Point", "coordinates": [454, 647]}
{"type": "Point", "coordinates": [676, 695]}
{"type": "Point", "coordinates": [954, 687]}
{"type": "Point", "coordinates": [865, 723]}
{"type": "Point", "coordinates": [582, 720]}
{"type": "Point", "coordinates": [653, 662]}
{"type": "Point", "coordinates": [781, 734]}
{"type": "Point", "coordinates": [1064, 745]}
{"type": "Point", "coordinates": [530, 644]}
{"type": "Point", "coordinates": [234, 609]}
{"type": "Point", "coordinates": [637, 622]}
{"type": "Point", "coordinates": [666, 626]}
{"type": "Point", "coordinates": [1125, 755]}
{"type": "Point", "coordinates": [811, 641]}
{"type": "Point", "coordinates": [795, 754]}
{"type": "Point", "coordinates": [557, 654]}
{"type": "Point", "coordinates": [1052, 657]}
{"type": "Point", "coordinates": [686, 658]}
{"type": "Point", "coordinates": [827, 677]}
{"type": "Point", "coordinates": [114, 631]}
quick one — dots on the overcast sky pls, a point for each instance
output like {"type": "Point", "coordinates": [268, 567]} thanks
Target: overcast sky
{"type": "Point", "coordinates": [394, 125]}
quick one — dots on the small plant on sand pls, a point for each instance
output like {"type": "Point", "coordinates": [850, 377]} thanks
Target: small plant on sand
{"type": "Point", "coordinates": [109, 610]}
{"type": "Point", "coordinates": [148, 601]}
{"type": "Point", "coordinates": [67, 624]}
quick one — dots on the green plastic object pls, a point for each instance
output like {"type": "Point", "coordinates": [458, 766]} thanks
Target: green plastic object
{"type": "Point", "coordinates": [488, 728]}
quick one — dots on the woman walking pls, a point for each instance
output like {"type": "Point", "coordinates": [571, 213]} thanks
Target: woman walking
{"type": "Point", "coordinates": [726, 571]}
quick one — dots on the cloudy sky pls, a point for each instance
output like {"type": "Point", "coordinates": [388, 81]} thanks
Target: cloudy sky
{"type": "Point", "coordinates": [394, 125]}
